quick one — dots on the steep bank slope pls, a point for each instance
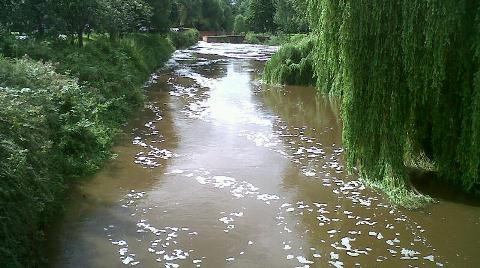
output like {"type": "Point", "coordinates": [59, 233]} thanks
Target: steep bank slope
{"type": "Point", "coordinates": [58, 122]}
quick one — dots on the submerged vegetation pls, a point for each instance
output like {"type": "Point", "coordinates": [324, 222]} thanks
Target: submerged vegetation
{"type": "Point", "coordinates": [408, 74]}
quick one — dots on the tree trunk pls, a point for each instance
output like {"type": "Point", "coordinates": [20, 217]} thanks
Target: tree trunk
{"type": "Point", "coordinates": [80, 38]}
{"type": "Point", "coordinates": [40, 29]}
{"type": "Point", "coordinates": [113, 37]}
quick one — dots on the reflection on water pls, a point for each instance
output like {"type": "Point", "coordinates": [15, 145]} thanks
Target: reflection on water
{"type": "Point", "coordinates": [222, 171]}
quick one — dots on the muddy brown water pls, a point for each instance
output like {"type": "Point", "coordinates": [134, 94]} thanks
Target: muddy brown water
{"type": "Point", "coordinates": [221, 171]}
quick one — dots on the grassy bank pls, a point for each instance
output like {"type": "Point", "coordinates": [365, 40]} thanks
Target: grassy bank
{"type": "Point", "coordinates": [60, 109]}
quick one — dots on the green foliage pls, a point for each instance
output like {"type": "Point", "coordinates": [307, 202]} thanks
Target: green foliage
{"type": "Point", "coordinates": [216, 15]}
{"type": "Point", "coordinates": [45, 19]}
{"type": "Point", "coordinates": [123, 16]}
{"type": "Point", "coordinates": [260, 15]}
{"type": "Point", "coordinates": [254, 38]}
{"type": "Point", "coordinates": [272, 39]}
{"type": "Point", "coordinates": [54, 128]}
{"type": "Point", "coordinates": [292, 64]}
{"type": "Point", "coordinates": [161, 10]}
{"type": "Point", "coordinates": [398, 192]}
{"type": "Point", "coordinates": [282, 39]}
{"type": "Point", "coordinates": [290, 16]}
{"type": "Point", "coordinates": [408, 73]}
{"type": "Point", "coordinates": [240, 24]}
{"type": "Point", "coordinates": [111, 67]}
{"type": "Point", "coordinates": [74, 16]}
{"type": "Point", "coordinates": [227, 16]}
{"type": "Point", "coordinates": [205, 15]}
{"type": "Point", "coordinates": [183, 39]}
{"type": "Point", "coordinates": [280, 16]}
{"type": "Point", "coordinates": [46, 127]}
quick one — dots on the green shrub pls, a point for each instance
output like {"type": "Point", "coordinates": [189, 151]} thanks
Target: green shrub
{"type": "Point", "coordinates": [113, 70]}
{"type": "Point", "coordinates": [292, 64]}
{"type": "Point", "coordinates": [282, 39]}
{"type": "Point", "coordinates": [273, 39]}
{"type": "Point", "coordinates": [252, 38]}
{"type": "Point", "coordinates": [183, 39]}
{"type": "Point", "coordinates": [48, 128]}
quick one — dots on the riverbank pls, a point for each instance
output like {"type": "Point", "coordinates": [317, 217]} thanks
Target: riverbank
{"type": "Point", "coordinates": [61, 108]}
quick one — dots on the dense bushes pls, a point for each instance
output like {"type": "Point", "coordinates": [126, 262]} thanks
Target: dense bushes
{"type": "Point", "coordinates": [292, 64]}
{"type": "Point", "coordinates": [112, 70]}
{"type": "Point", "coordinates": [55, 127]}
{"type": "Point", "coordinates": [46, 132]}
{"type": "Point", "coordinates": [183, 39]}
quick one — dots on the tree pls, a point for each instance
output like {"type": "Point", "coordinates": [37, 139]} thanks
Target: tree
{"type": "Point", "coordinates": [77, 15]}
{"type": "Point", "coordinates": [409, 76]}
{"type": "Point", "coordinates": [121, 16]}
{"type": "Point", "coordinates": [204, 15]}
{"type": "Point", "coordinates": [260, 15]}
{"type": "Point", "coordinates": [240, 25]}
{"type": "Point", "coordinates": [189, 12]}
{"type": "Point", "coordinates": [211, 16]}
{"type": "Point", "coordinates": [227, 18]}
{"type": "Point", "coordinates": [290, 15]}
{"type": "Point", "coordinates": [28, 16]}
{"type": "Point", "coordinates": [160, 20]}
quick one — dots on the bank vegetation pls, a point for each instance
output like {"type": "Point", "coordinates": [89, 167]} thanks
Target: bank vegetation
{"type": "Point", "coordinates": [71, 74]}
{"type": "Point", "coordinates": [408, 75]}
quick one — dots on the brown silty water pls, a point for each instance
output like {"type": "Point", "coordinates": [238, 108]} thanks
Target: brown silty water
{"type": "Point", "coordinates": [222, 171]}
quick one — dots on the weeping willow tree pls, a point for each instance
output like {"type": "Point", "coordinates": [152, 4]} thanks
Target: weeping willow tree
{"type": "Point", "coordinates": [408, 72]}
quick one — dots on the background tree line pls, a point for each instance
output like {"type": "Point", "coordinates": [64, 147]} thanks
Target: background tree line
{"type": "Point", "coordinates": [76, 18]}
{"type": "Point", "coordinates": [285, 16]}
{"type": "Point", "coordinates": [116, 17]}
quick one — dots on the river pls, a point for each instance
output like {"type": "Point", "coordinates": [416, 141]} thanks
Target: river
{"type": "Point", "coordinates": [219, 170]}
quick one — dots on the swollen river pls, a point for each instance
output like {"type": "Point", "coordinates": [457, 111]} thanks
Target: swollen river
{"type": "Point", "coordinates": [222, 171]}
